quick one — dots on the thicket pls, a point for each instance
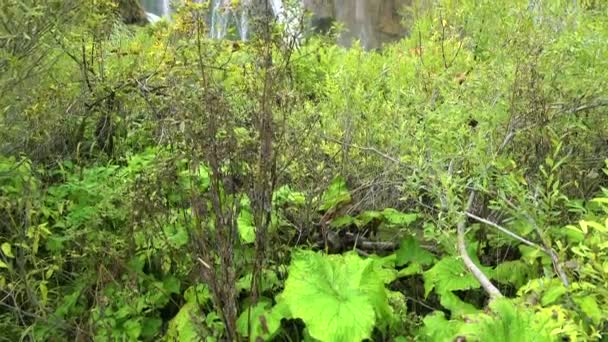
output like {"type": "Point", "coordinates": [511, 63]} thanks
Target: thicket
{"type": "Point", "coordinates": [156, 184]}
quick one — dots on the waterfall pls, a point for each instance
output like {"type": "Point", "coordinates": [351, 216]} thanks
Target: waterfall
{"type": "Point", "coordinates": [223, 15]}
{"type": "Point", "coordinates": [242, 19]}
{"type": "Point", "coordinates": [371, 21]}
{"type": "Point", "coordinates": [285, 18]}
{"type": "Point", "coordinates": [166, 7]}
{"type": "Point", "coordinates": [156, 9]}
{"type": "Point", "coordinates": [277, 9]}
{"type": "Point", "coordinates": [220, 14]}
{"type": "Point", "coordinates": [152, 18]}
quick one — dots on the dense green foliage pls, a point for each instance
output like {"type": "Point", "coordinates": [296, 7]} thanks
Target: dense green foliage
{"type": "Point", "coordinates": [159, 185]}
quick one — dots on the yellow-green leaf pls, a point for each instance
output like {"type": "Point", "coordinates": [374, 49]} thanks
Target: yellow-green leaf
{"type": "Point", "coordinates": [595, 225]}
{"type": "Point", "coordinates": [7, 250]}
{"type": "Point", "coordinates": [553, 294]}
{"type": "Point", "coordinates": [590, 307]}
{"type": "Point", "coordinates": [44, 292]}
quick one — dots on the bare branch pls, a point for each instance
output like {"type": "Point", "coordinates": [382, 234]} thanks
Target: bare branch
{"type": "Point", "coordinates": [365, 148]}
{"type": "Point", "coordinates": [564, 108]}
{"type": "Point", "coordinates": [485, 282]}
{"type": "Point", "coordinates": [557, 266]}
{"type": "Point", "coordinates": [505, 231]}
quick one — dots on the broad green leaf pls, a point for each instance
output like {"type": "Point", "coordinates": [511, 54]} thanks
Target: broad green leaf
{"type": "Point", "coordinates": [368, 216]}
{"type": "Point", "coordinates": [150, 327]}
{"type": "Point", "coordinates": [530, 254]}
{"type": "Point", "coordinates": [397, 218]}
{"type": "Point", "coordinates": [160, 296]}
{"type": "Point", "coordinates": [413, 268]}
{"type": "Point", "coordinates": [338, 297]}
{"type": "Point", "coordinates": [124, 311]}
{"type": "Point", "coordinates": [514, 272]}
{"type": "Point", "coordinates": [214, 322]}
{"type": "Point", "coordinates": [133, 329]}
{"type": "Point", "coordinates": [198, 294]}
{"type": "Point", "coordinates": [342, 221]}
{"type": "Point", "coordinates": [55, 244]}
{"type": "Point", "coordinates": [284, 196]}
{"type": "Point", "coordinates": [171, 284]}
{"type": "Point", "coordinates": [574, 234]}
{"type": "Point", "coordinates": [457, 307]}
{"type": "Point", "coordinates": [177, 236]}
{"type": "Point", "coordinates": [509, 323]}
{"type": "Point", "coordinates": [590, 307]}
{"type": "Point", "coordinates": [246, 226]}
{"type": "Point", "coordinates": [438, 328]}
{"type": "Point", "coordinates": [265, 321]}
{"type": "Point", "coordinates": [539, 285]}
{"type": "Point", "coordinates": [185, 325]}
{"type": "Point", "coordinates": [137, 263]}
{"type": "Point", "coordinates": [335, 195]}
{"type": "Point", "coordinates": [603, 200]}
{"type": "Point", "coordinates": [205, 179]}
{"type": "Point", "coordinates": [410, 251]}
{"type": "Point", "coordinates": [374, 286]}
{"type": "Point", "coordinates": [7, 249]}
{"type": "Point", "coordinates": [268, 282]}
{"type": "Point", "coordinates": [69, 302]}
{"type": "Point", "coordinates": [599, 227]}
{"type": "Point", "coordinates": [449, 274]}
{"type": "Point", "coordinates": [552, 294]}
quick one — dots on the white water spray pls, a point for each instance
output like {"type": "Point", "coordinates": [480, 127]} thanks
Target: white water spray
{"type": "Point", "coordinates": [166, 7]}
{"type": "Point", "coordinates": [242, 19]}
{"type": "Point", "coordinates": [289, 20]}
{"type": "Point", "coordinates": [220, 14]}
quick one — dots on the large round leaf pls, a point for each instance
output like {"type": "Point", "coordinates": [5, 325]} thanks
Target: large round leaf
{"type": "Point", "coordinates": [338, 297]}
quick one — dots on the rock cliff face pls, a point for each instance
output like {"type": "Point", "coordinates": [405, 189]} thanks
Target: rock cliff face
{"type": "Point", "coordinates": [132, 12]}
{"type": "Point", "coordinates": [372, 21]}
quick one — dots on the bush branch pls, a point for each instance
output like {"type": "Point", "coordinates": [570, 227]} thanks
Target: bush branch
{"type": "Point", "coordinates": [485, 282]}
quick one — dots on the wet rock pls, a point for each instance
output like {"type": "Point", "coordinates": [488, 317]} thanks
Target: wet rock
{"type": "Point", "coordinates": [373, 22]}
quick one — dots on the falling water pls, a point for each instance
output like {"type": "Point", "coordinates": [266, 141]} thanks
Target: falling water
{"type": "Point", "coordinates": [152, 18]}
{"type": "Point", "coordinates": [277, 9]}
{"type": "Point", "coordinates": [166, 6]}
{"type": "Point", "coordinates": [243, 25]}
{"type": "Point", "coordinates": [223, 15]}
{"type": "Point", "coordinates": [289, 20]}
{"type": "Point", "coordinates": [370, 21]}
{"type": "Point", "coordinates": [160, 8]}
{"type": "Point", "coordinates": [220, 14]}
{"type": "Point", "coordinates": [242, 17]}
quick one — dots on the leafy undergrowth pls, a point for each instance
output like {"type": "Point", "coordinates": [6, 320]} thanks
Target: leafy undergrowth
{"type": "Point", "coordinates": [336, 297]}
{"type": "Point", "coordinates": [157, 185]}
